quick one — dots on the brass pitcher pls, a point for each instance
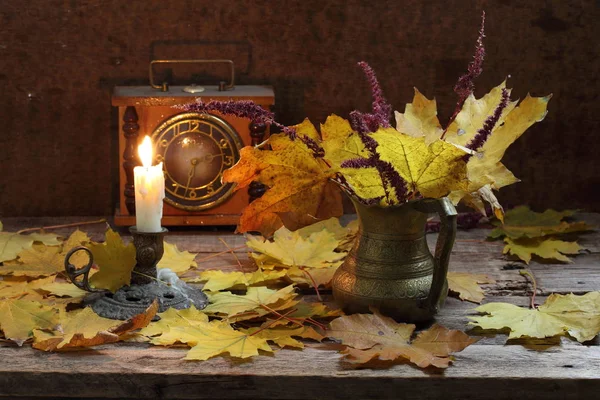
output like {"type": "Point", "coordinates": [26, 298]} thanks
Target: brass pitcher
{"type": "Point", "coordinates": [390, 266]}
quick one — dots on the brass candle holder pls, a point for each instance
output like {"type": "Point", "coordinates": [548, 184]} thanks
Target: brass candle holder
{"type": "Point", "coordinates": [144, 288]}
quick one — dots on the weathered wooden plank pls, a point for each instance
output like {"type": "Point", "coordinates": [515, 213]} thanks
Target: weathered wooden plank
{"type": "Point", "coordinates": [135, 371]}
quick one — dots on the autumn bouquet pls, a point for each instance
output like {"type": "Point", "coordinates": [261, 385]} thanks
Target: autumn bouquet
{"type": "Point", "coordinates": [306, 169]}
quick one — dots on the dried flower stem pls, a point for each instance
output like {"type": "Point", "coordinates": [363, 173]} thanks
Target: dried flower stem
{"type": "Point", "coordinates": [465, 85]}
{"type": "Point", "coordinates": [45, 228]}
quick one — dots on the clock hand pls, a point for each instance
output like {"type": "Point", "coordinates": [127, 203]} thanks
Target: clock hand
{"type": "Point", "coordinates": [194, 162]}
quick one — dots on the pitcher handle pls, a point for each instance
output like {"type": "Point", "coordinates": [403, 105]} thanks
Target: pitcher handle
{"type": "Point", "coordinates": [445, 209]}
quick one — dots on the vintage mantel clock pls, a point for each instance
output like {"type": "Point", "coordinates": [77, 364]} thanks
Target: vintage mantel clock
{"type": "Point", "coordinates": [195, 148]}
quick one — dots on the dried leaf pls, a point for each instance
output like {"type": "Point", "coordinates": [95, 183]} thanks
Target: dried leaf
{"type": "Point", "coordinates": [521, 222]}
{"type": "Point", "coordinates": [115, 261]}
{"type": "Point", "coordinates": [466, 285]}
{"type": "Point", "coordinates": [544, 247]}
{"type": "Point", "coordinates": [252, 303]}
{"type": "Point", "coordinates": [18, 318]}
{"type": "Point", "coordinates": [312, 276]}
{"type": "Point", "coordinates": [433, 170]}
{"type": "Point", "coordinates": [39, 260]}
{"type": "Point", "coordinates": [84, 328]}
{"type": "Point", "coordinates": [299, 184]}
{"type": "Point", "coordinates": [371, 337]}
{"type": "Point", "coordinates": [578, 316]}
{"type": "Point", "coordinates": [11, 244]}
{"type": "Point", "coordinates": [420, 119]}
{"type": "Point", "coordinates": [219, 280]}
{"type": "Point", "coordinates": [283, 337]}
{"type": "Point", "coordinates": [176, 260]}
{"type": "Point", "coordinates": [314, 249]}
{"type": "Point", "coordinates": [175, 318]}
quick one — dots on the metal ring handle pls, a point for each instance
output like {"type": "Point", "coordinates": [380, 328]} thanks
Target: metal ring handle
{"type": "Point", "coordinates": [164, 86]}
{"type": "Point", "coordinates": [73, 272]}
{"type": "Point", "coordinates": [445, 209]}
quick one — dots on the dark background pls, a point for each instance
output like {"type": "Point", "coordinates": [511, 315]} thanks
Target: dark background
{"type": "Point", "coordinates": [59, 61]}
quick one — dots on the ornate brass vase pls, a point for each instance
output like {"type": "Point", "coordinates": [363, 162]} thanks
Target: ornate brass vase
{"type": "Point", "coordinates": [390, 266]}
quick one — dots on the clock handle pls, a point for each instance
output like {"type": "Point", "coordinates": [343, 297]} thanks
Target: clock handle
{"type": "Point", "coordinates": [73, 272]}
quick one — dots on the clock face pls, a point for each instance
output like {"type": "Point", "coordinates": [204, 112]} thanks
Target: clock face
{"type": "Point", "coordinates": [196, 149]}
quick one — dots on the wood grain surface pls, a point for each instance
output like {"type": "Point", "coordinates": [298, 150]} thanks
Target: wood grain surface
{"type": "Point", "coordinates": [492, 368]}
{"type": "Point", "coordinates": [61, 59]}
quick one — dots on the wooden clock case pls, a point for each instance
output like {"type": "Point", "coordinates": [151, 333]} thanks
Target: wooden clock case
{"type": "Point", "coordinates": [143, 108]}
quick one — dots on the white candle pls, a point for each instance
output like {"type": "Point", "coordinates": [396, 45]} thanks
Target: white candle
{"type": "Point", "coordinates": [149, 190]}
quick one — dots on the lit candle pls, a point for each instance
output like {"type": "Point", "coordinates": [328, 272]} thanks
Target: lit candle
{"type": "Point", "coordinates": [149, 190]}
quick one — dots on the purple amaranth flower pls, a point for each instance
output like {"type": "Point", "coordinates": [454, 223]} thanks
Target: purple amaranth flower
{"type": "Point", "coordinates": [465, 85]}
{"type": "Point", "coordinates": [239, 108]}
{"type": "Point", "coordinates": [357, 163]}
{"type": "Point", "coordinates": [382, 111]}
{"type": "Point", "coordinates": [488, 126]}
{"type": "Point", "coordinates": [317, 150]}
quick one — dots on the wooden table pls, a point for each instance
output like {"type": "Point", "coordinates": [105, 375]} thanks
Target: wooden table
{"type": "Point", "coordinates": [490, 369]}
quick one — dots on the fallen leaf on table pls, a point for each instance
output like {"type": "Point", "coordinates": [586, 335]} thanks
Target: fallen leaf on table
{"type": "Point", "coordinates": [373, 336]}
{"type": "Point", "coordinates": [466, 285]}
{"type": "Point", "coordinates": [313, 277]}
{"type": "Point", "coordinates": [84, 328]}
{"type": "Point", "coordinates": [284, 337]}
{"type": "Point", "coordinates": [219, 280]}
{"type": "Point", "coordinates": [175, 318]}
{"type": "Point", "coordinates": [521, 222]}
{"type": "Point", "coordinates": [64, 289]}
{"type": "Point", "coordinates": [39, 260]}
{"type": "Point", "coordinates": [578, 316]}
{"type": "Point", "coordinates": [11, 244]}
{"type": "Point", "coordinates": [546, 248]}
{"type": "Point", "coordinates": [256, 302]}
{"type": "Point", "coordinates": [209, 339]}
{"type": "Point", "coordinates": [302, 248]}
{"type": "Point", "coordinates": [115, 261]}
{"type": "Point", "coordinates": [18, 318]}
{"type": "Point", "coordinates": [77, 238]}
{"type": "Point", "coordinates": [299, 184]}
{"type": "Point", "coordinates": [303, 312]}
{"type": "Point", "coordinates": [176, 260]}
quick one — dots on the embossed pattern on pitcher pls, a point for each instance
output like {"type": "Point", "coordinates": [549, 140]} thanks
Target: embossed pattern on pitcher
{"type": "Point", "coordinates": [390, 266]}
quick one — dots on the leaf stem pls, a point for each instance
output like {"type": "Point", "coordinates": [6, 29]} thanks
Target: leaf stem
{"type": "Point", "coordinates": [213, 255]}
{"type": "Point", "coordinates": [275, 320]}
{"type": "Point", "coordinates": [314, 283]}
{"type": "Point", "coordinates": [529, 274]}
{"type": "Point", "coordinates": [281, 315]}
{"type": "Point", "coordinates": [62, 226]}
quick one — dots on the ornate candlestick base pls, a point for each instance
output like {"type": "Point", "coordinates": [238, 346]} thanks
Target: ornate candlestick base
{"type": "Point", "coordinates": [145, 287]}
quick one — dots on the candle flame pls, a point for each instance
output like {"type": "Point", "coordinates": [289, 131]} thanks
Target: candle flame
{"type": "Point", "coordinates": [145, 152]}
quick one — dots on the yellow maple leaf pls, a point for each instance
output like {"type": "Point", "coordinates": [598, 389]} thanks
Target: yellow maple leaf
{"type": "Point", "coordinates": [11, 244]}
{"type": "Point", "coordinates": [115, 261]}
{"type": "Point", "coordinates": [210, 339]}
{"type": "Point", "coordinates": [77, 238]}
{"type": "Point", "coordinates": [84, 328]}
{"type": "Point", "coordinates": [302, 248]}
{"type": "Point", "coordinates": [18, 318]}
{"type": "Point", "coordinates": [420, 119]}
{"type": "Point", "coordinates": [341, 143]}
{"type": "Point", "coordinates": [256, 302]}
{"type": "Point", "coordinates": [433, 170]}
{"type": "Point", "coordinates": [578, 316]}
{"type": "Point", "coordinates": [485, 167]}
{"type": "Point", "coordinates": [521, 222]}
{"type": "Point", "coordinates": [373, 336]}
{"type": "Point", "coordinates": [39, 260]}
{"type": "Point", "coordinates": [300, 186]}
{"type": "Point", "coordinates": [63, 289]}
{"type": "Point", "coordinates": [175, 318]}
{"type": "Point", "coordinates": [546, 248]}
{"type": "Point", "coordinates": [466, 285]}
{"type": "Point", "coordinates": [218, 280]}
{"type": "Point", "coordinates": [284, 337]}
{"type": "Point", "coordinates": [176, 260]}
{"type": "Point", "coordinates": [313, 277]}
